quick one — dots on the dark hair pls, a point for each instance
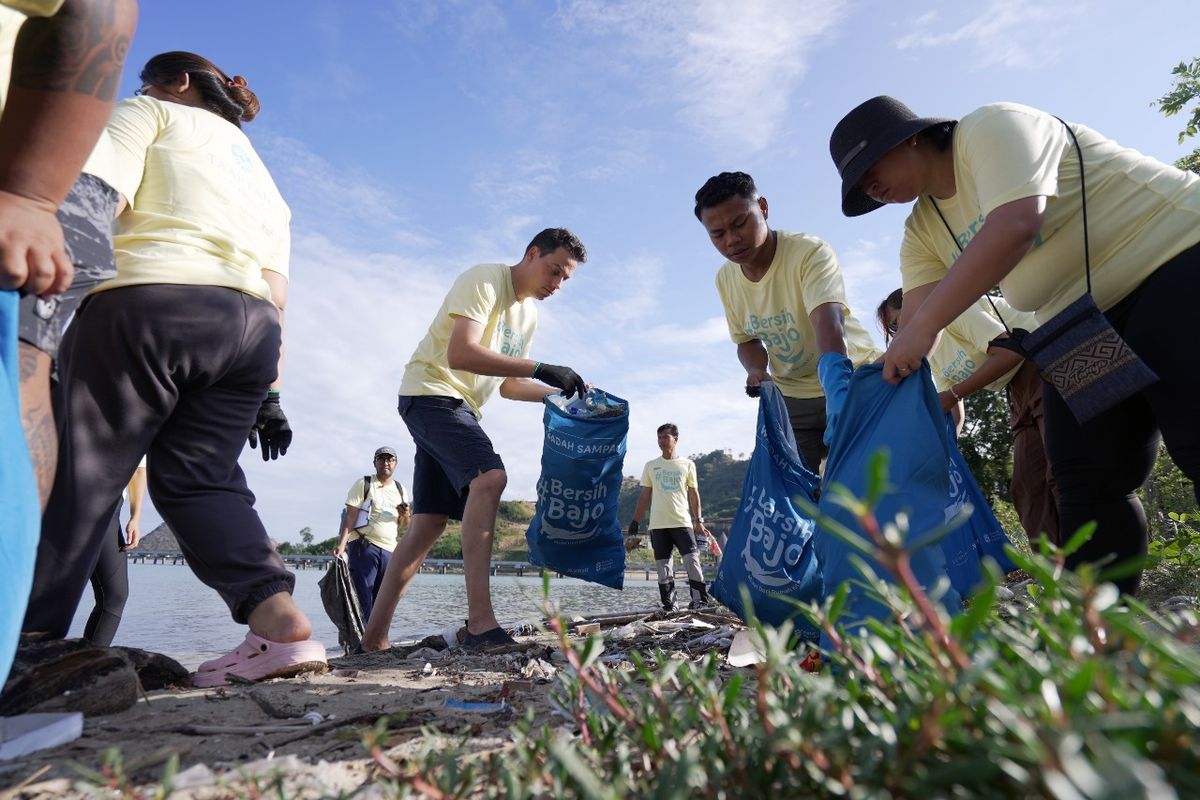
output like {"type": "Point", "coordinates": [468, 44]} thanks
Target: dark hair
{"type": "Point", "coordinates": [719, 188]}
{"type": "Point", "coordinates": [551, 239]}
{"type": "Point", "coordinates": [226, 97]}
{"type": "Point", "coordinates": [940, 135]}
{"type": "Point", "coordinates": [894, 301]}
{"type": "Point", "coordinates": [669, 427]}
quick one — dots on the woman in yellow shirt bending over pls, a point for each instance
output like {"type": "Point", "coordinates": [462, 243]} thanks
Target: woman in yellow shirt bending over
{"type": "Point", "coordinates": [1051, 212]}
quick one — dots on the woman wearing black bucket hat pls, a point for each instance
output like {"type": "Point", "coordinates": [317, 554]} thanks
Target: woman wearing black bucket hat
{"type": "Point", "coordinates": [1061, 218]}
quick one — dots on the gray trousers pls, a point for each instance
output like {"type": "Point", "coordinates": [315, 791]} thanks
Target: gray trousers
{"type": "Point", "coordinates": [177, 373]}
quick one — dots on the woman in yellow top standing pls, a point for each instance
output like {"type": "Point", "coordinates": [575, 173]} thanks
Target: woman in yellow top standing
{"type": "Point", "coordinates": [999, 198]}
{"type": "Point", "coordinates": [180, 357]}
{"type": "Point", "coordinates": [965, 361]}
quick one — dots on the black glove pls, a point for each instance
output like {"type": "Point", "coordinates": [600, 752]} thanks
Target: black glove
{"type": "Point", "coordinates": [633, 528]}
{"type": "Point", "coordinates": [753, 391]}
{"type": "Point", "coordinates": [272, 426]}
{"type": "Point", "coordinates": [564, 378]}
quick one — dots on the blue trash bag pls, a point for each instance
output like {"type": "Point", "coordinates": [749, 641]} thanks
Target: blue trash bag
{"type": "Point", "coordinates": [981, 530]}
{"type": "Point", "coordinates": [20, 511]}
{"type": "Point", "coordinates": [907, 421]}
{"type": "Point", "coordinates": [770, 549]}
{"type": "Point", "coordinates": [575, 529]}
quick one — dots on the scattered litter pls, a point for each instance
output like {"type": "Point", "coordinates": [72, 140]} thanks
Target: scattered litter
{"type": "Point", "coordinates": [746, 649]}
{"type": "Point", "coordinates": [588, 629]}
{"type": "Point", "coordinates": [538, 668]}
{"type": "Point", "coordinates": [27, 733]}
{"type": "Point", "coordinates": [477, 708]}
{"type": "Point", "coordinates": [314, 717]}
{"type": "Point", "coordinates": [428, 670]}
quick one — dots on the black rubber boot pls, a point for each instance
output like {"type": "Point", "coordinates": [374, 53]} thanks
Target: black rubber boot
{"type": "Point", "coordinates": [699, 593]}
{"type": "Point", "coordinates": [667, 592]}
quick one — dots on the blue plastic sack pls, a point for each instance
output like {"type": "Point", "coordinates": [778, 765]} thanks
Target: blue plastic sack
{"type": "Point", "coordinates": [770, 549]}
{"type": "Point", "coordinates": [20, 511]}
{"type": "Point", "coordinates": [907, 420]}
{"type": "Point", "coordinates": [981, 535]}
{"type": "Point", "coordinates": [575, 530]}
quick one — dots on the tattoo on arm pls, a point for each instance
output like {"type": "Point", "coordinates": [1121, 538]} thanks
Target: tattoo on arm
{"type": "Point", "coordinates": [73, 51]}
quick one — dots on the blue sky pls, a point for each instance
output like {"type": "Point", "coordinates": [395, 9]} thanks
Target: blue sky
{"type": "Point", "coordinates": [415, 139]}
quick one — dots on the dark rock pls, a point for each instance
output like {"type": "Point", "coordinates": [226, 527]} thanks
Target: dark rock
{"type": "Point", "coordinates": [93, 680]}
{"type": "Point", "coordinates": [156, 671]}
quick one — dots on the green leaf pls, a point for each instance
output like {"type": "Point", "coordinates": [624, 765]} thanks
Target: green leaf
{"type": "Point", "coordinates": [1079, 538]}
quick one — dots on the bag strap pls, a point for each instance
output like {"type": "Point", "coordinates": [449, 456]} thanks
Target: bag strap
{"type": "Point", "coordinates": [1087, 258]}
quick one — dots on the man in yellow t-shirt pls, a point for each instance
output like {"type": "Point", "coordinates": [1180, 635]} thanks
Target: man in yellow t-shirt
{"type": "Point", "coordinates": [376, 507]}
{"type": "Point", "coordinates": [785, 304]}
{"type": "Point", "coordinates": [669, 488]}
{"type": "Point", "coordinates": [477, 344]}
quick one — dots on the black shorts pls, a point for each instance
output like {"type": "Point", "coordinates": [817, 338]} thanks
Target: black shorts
{"type": "Point", "coordinates": [663, 539]}
{"type": "Point", "coordinates": [86, 217]}
{"type": "Point", "coordinates": [452, 450]}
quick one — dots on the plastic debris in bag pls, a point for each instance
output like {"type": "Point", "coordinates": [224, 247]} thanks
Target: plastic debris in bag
{"type": "Point", "coordinates": [770, 551]}
{"type": "Point", "coordinates": [575, 529]}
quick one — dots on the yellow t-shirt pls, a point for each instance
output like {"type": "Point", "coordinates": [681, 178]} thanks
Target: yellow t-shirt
{"type": "Point", "coordinates": [203, 210]}
{"type": "Point", "coordinates": [962, 347]}
{"type": "Point", "coordinates": [1141, 212]}
{"type": "Point", "coordinates": [669, 480]}
{"type": "Point", "coordinates": [803, 275]}
{"type": "Point", "coordinates": [485, 294]}
{"type": "Point", "coordinates": [383, 527]}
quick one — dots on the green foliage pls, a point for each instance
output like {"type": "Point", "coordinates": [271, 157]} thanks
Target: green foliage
{"type": "Point", "coordinates": [1184, 89]}
{"type": "Point", "coordinates": [986, 443]}
{"type": "Point", "coordinates": [1072, 697]}
{"type": "Point", "coordinates": [449, 545]}
{"type": "Point", "coordinates": [516, 512]}
{"type": "Point", "coordinates": [1190, 162]}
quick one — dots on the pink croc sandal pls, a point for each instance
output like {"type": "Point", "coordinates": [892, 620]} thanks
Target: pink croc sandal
{"type": "Point", "coordinates": [257, 659]}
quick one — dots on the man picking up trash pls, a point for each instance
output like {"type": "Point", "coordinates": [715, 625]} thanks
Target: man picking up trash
{"type": "Point", "coordinates": [477, 344]}
{"type": "Point", "coordinates": [785, 304]}
{"type": "Point", "coordinates": [669, 488]}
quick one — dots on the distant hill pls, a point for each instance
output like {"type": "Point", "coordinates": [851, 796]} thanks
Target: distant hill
{"type": "Point", "coordinates": [160, 540]}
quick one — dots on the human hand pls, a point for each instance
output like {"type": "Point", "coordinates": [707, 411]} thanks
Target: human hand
{"type": "Point", "coordinates": [133, 534]}
{"type": "Point", "coordinates": [564, 378]}
{"type": "Point", "coordinates": [272, 427]}
{"type": "Point", "coordinates": [32, 255]}
{"type": "Point", "coordinates": [338, 549]}
{"type": "Point", "coordinates": [633, 528]}
{"type": "Point", "coordinates": [948, 400]}
{"type": "Point", "coordinates": [904, 354]}
{"type": "Point", "coordinates": [754, 378]}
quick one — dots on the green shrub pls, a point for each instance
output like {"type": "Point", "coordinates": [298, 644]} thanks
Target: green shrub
{"type": "Point", "coordinates": [449, 545]}
{"type": "Point", "coordinates": [1073, 695]}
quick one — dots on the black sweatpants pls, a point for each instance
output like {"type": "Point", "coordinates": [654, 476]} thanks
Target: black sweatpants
{"type": "Point", "coordinates": [176, 372]}
{"type": "Point", "coordinates": [1100, 465]}
{"type": "Point", "coordinates": [110, 586]}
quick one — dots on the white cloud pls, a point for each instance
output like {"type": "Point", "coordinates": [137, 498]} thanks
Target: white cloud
{"type": "Point", "coordinates": [730, 68]}
{"type": "Point", "coordinates": [1014, 34]}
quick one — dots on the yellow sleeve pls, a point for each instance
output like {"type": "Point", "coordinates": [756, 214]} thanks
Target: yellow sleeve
{"type": "Point", "coordinates": [691, 480]}
{"type": "Point", "coordinates": [355, 496]}
{"type": "Point", "coordinates": [1012, 153]}
{"type": "Point", "coordinates": [736, 332]}
{"type": "Point", "coordinates": [280, 260]}
{"type": "Point", "coordinates": [647, 481]}
{"type": "Point", "coordinates": [134, 126]}
{"type": "Point", "coordinates": [821, 278]}
{"type": "Point", "coordinates": [472, 298]}
{"type": "Point", "coordinates": [977, 326]}
{"type": "Point", "coordinates": [920, 264]}
{"type": "Point", "coordinates": [35, 8]}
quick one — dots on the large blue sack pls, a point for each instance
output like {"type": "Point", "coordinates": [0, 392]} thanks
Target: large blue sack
{"type": "Point", "coordinates": [575, 530]}
{"type": "Point", "coordinates": [906, 419]}
{"type": "Point", "coordinates": [770, 549]}
{"type": "Point", "coordinates": [981, 535]}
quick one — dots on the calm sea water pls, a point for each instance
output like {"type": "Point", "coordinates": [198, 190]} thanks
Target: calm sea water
{"type": "Point", "coordinates": [171, 612]}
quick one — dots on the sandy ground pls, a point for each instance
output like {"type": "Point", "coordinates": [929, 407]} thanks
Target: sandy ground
{"type": "Point", "coordinates": [238, 736]}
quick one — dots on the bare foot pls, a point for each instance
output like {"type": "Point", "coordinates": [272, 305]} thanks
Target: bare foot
{"type": "Point", "coordinates": [277, 619]}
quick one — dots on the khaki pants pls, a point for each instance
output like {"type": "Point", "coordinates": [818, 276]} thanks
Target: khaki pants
{"type": "Point", "coordinates": [1034, 492]}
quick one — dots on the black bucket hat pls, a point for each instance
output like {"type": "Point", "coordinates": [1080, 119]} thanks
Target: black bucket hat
{"type": "Point", "coordinates": [863, 137]}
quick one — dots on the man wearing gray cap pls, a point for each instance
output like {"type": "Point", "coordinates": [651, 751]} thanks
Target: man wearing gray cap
{"type": "Point", "coordinates": [376, 507]}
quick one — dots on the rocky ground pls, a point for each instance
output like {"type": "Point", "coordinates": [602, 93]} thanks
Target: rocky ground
{"type": "Point", "coordinates": [313, 733]}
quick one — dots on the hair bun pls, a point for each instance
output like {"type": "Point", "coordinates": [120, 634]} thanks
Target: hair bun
{"type": "Point", "coordinates": [241, 94]}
